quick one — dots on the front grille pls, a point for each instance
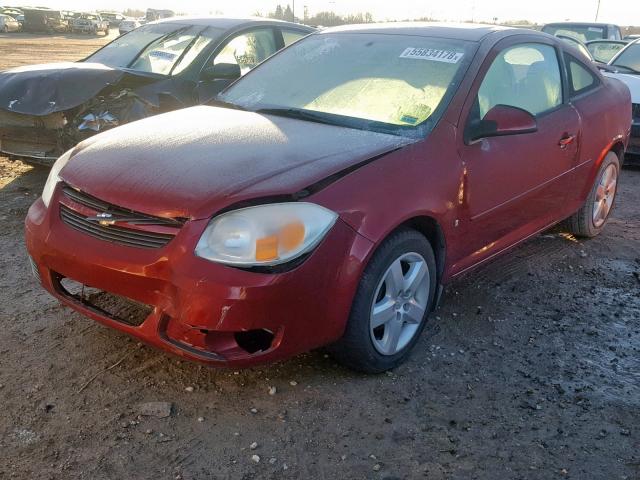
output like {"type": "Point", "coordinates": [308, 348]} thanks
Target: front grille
{"type": "Point", "coordinates": [636, 110]}
{"type": "Point", "coordinates": [118, 212]}
{"type": "Point", "coordinates": [125, 233]}
{"type": "Point", "coordinates": [112, 233]}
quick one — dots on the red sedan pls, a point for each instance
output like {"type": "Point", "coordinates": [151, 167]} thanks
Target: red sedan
{"type": "Point", "coordinates": [331, 192]}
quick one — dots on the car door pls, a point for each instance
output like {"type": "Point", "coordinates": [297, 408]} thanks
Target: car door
{"type": "Point", "coordinates": [593, 104]}
{"type": "Point", "coordinates": [516, 184]}
{"type": "Point", "coordinates": [245, 49]}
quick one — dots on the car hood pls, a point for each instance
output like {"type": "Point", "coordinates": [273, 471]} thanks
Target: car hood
{"type": "Point", "coordinates": [193, 162]}
{"type": "Point", "coordinates": [630, 80]}
{"type": "Point", "coordinates": [54, 87]}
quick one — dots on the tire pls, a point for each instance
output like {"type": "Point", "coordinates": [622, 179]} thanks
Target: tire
{"type": "Point", "coordinates": [368, 349]}
{"type": "Point", "coordinates": [587, 222]}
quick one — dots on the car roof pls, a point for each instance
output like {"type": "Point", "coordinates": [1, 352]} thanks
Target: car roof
{"type": "Point", "coordinates": [228, 22]}
{"type": "Point", "coordinates": [464, 31]}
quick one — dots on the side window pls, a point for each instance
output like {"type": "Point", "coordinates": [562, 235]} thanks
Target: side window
{"type": "Point", "coordinates": [248, 49]}
{"type": "Point", "coordinates": [526, 76]}
{"type": "Point", "coordinates": [292, 36]}
{"type": "Point", "coordinates": [580, 78]}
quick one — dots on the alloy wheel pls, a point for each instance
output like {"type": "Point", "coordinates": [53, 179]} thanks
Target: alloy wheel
{"type": "Point", "coordinates": [605, 194]}
{"type": "Point", "coordinates": [400, 303]}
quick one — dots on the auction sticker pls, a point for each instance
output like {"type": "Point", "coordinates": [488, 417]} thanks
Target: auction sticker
{"type": "Point", "coordinates": [433, 54]}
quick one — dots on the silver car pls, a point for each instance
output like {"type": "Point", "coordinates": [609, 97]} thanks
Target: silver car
{"type": "Point", "coordinates": [8, 24]}
{"type": "Point", "coordinates": [128, 25]}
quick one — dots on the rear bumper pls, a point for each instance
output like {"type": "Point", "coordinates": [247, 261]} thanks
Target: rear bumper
{"type": "Point", "coordinates": [198, 308]}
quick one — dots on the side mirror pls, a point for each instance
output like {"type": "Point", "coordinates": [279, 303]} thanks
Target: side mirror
{"type": "Point", "coordinates": [222, 71]}
{"type": "Point", "coordinates": [500, 121]}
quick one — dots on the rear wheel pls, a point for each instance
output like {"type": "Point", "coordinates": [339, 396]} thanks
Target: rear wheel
{"type": "Point", "coordinates": [391, 306]}
{"type": "Point", "coordinates": [592, 217]}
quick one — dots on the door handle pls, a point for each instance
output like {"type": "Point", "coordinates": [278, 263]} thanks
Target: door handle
{"type": "Point", "coordinates": [566, 140]}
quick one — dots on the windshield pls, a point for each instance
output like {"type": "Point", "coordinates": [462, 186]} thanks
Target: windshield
{"type": "Point", "coordinates": [156, 48]}
{"type": "Point", "coordinates": [605, 51]}
{"type": "Point", "coordinates": [629, 58]}
{"type": "Point", "coordinates": [583, 33]}
{"type": "Point", "coordinates": [392, 83]}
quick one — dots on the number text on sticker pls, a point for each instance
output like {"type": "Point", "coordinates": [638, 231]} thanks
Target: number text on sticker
{"type": "Point", "coordinates": [433, 54]}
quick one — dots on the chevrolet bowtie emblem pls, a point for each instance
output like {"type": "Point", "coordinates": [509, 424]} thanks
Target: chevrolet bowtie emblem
{"type": "Point", "coordinates": [103, 218]}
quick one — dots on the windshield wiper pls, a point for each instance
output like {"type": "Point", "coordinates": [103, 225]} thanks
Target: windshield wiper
{"type": "Point", "coordinates": [632, 70]}
{"type": "Point", "coordinates": [307, 115]}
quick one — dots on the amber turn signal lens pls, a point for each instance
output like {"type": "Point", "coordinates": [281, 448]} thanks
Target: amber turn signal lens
{"type": "Point", "coordinates": [292, 235]}
{"type": "Point", "coordinates": [267, 248]}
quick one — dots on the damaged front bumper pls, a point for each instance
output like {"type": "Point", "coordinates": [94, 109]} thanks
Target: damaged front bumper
{"type": "Point", "coordinates": [47, 109]}
{"type": "Point", "coordinates": [192, 307]}
{"type": "Point", "coordinates": [43, 138]}
{"type": "Point", "coordinates": [38, 138]}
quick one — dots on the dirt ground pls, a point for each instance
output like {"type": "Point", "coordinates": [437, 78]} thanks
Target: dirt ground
{"type": "Point", "coordinates": [530, 370]}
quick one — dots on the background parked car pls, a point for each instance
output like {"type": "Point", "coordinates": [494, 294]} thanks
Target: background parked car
{"type": "Point", "coordinates": [44, 20]}
{"type": "Point", "coordinates": [604, 50]}
{"type": "Point", "coordinates": [161, 66]}
{"type": "Point", "coordinates": [155, 14]}
{"type": "Point", "coordinates": [90, 23]}
{"type": "Point", "coordinates": [584, 31]}
{"type": "Point", "coordinates": [128, 25]}
{"type": "Point", "coordinates": [625, 66]}
{"type": "Point", "coordinates": [113, 18]}
{"type": "Point", "coordinates": [8, 24]}
{"type": "Point", "coordinates": [14, 12]}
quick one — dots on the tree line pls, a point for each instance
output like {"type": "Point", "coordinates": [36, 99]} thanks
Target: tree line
{"type": "Point", "coordinates": [326, 19]}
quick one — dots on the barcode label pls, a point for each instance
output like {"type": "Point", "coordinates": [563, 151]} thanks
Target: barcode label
{"type": "Point", "coordinates": [433, 54]}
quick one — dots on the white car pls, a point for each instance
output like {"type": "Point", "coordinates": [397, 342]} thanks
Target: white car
{"type": "Point", "coordinates": [128, 25]}
{"type": "Point", "coordinates": [625, 66]}
{"type": "Point", "coordinates": [8, 24]}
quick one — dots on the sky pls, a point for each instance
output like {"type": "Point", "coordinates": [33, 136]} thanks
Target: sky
{"type": "Point", "coordinates": [622, 12]}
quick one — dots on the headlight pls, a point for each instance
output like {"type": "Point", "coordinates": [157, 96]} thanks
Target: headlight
{"type": "Point", "coordinates": [265, 235]}
{"type": "Point", "coordinates": [53, 178]}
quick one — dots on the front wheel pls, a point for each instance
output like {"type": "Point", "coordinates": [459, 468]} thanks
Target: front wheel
{"type": "Point", "coordinates": [591, 219]}
{"type": "Point", "coordinates": [391, 305]}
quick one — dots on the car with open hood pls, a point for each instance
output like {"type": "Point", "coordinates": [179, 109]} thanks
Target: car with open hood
{"type": "Point", "coordinates": [332, 192]}
{"type": "Point", "coordinates": [165, 65]}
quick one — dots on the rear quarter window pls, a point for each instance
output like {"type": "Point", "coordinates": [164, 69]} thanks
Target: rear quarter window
{"type": "Point", "coordinates": [581, 79]}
